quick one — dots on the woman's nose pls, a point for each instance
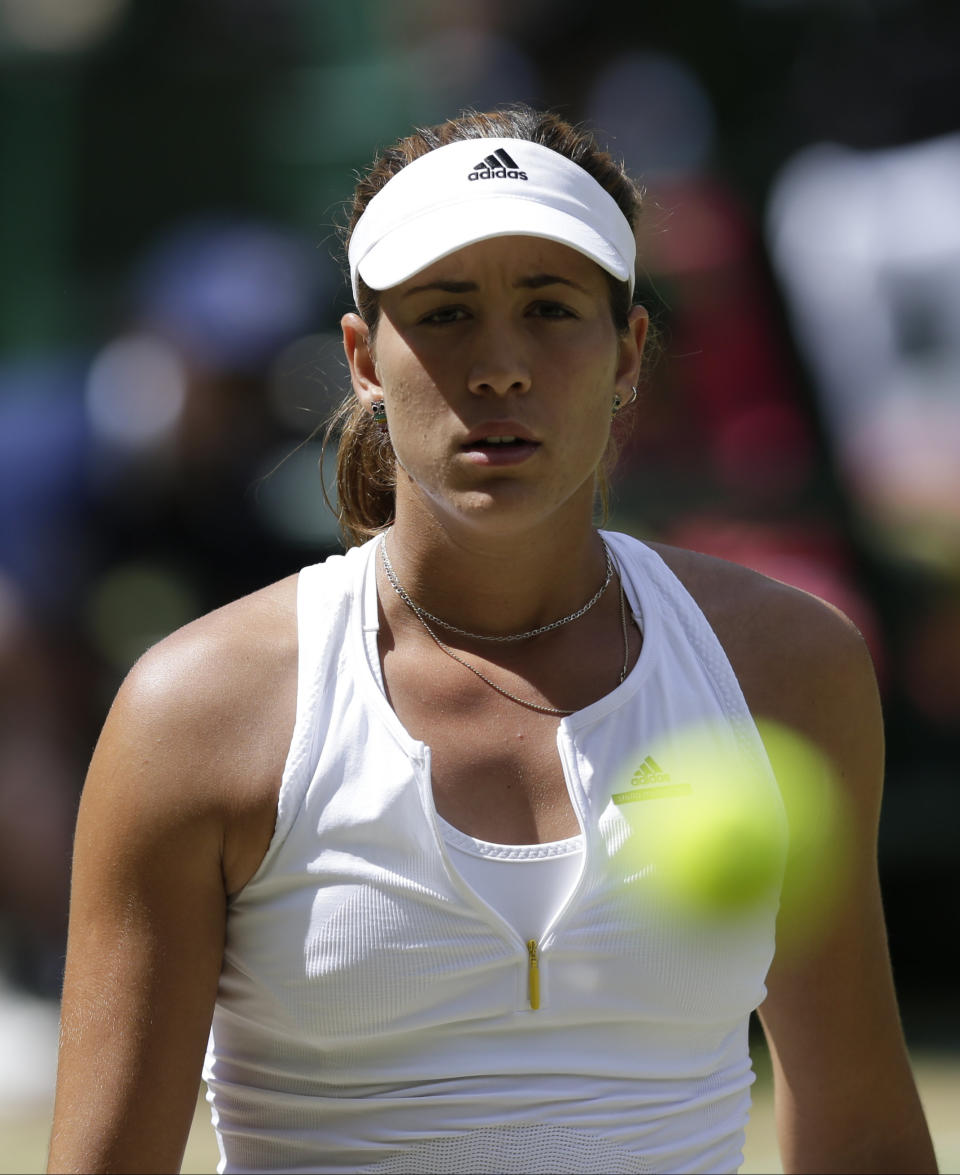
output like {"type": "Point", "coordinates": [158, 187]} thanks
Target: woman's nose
{"type": "Point", "coordinates": [499, 365]}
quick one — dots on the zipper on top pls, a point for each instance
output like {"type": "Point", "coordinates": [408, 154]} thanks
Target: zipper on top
{"type": "Point", "coordinates": [532, 946]}
{"type": "Point", "coordinates": [533, 974]}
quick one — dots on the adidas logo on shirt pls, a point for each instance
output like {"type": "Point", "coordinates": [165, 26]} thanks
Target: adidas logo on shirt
{"type": "Point", "coordinates": [498, 166]}
{"type": "Point", "coordinates": [649, 771]}
{"type": "Point", "coordinates": [650, 782]}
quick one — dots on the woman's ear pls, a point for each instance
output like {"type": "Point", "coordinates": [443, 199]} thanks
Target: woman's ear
{"type": "Point", "coordinates": [631, 352]}
{"type": "Point", "coordinates": [357, 347]}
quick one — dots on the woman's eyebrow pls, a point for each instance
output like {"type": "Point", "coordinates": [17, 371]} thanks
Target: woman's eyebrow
{"type": "Point", "coordinates": [535, 281]}
{"type": "Point", "coordinates": [448, 287]}
{"type": "Point", "coordinates": [538, 280]}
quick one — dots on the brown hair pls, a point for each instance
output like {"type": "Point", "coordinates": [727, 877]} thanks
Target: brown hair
{"type": "Point", "coordinates": [366, 466]}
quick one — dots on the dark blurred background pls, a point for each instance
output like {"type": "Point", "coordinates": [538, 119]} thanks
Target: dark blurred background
{"type": "Point", "coordinates": [172, 173]}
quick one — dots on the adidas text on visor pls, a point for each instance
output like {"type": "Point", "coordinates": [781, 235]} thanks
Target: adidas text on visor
{"type": "Point", "coordinates": [475, 189]}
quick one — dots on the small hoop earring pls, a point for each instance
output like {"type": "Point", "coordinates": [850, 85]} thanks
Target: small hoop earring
{"type": "Point", "coordinates": [618, 403]}
{"type": "Point", "coordinates": [378, 410]}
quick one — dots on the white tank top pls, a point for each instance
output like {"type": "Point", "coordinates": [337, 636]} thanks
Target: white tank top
{"type": "Point", "coordinates": [376, 1014]}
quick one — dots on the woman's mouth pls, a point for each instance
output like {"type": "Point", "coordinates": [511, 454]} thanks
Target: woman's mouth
{"type": "Point", "coordinates": [499, 450]}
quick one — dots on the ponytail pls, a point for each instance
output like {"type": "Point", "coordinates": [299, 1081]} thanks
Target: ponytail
{"type": "Point", "coordinates": [366, 472]}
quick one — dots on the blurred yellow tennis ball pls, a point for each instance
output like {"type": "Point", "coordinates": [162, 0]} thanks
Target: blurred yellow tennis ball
{"type": "Point", "coordinates": [709, 834]}
{"type": "Point", "coordinates": [721, 856]}
{"type": "Point", "coordinates": [820, 836]}
{"type": "Point", "coordinates": [719, 837]}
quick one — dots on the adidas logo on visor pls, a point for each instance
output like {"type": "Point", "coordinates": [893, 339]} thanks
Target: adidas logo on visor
{"type": "Point", "coordinates": [498, 166]}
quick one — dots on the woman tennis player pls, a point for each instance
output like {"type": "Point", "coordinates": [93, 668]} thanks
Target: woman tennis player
{"type": "Point", "coordinates": [355, 847]}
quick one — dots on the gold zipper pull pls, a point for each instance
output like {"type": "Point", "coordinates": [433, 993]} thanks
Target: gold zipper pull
{"type": "Point", "coordinates": [534, 972]}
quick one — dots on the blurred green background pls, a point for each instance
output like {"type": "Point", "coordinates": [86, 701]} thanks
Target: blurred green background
{"type": "Point", "coordinates": [172, 177]}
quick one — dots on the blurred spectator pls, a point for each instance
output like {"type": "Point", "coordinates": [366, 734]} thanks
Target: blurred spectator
{"type": "Point", "coordinates": [181, 415]}
{"type": "Point", "coordinates": [129, 504]}
{"type": "Point", "coordinates": [867, 247]}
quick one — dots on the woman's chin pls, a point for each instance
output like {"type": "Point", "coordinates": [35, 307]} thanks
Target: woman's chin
{"type": "Point", "coordinates": [504, 508]}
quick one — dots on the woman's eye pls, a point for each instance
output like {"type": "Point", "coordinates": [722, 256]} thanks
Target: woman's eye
{"type": "Point", "coordinates": [443, 315]}
{"type": "Point", "coordinates": [552, 310]}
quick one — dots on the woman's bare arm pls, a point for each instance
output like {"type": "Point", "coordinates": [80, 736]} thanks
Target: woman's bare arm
{"type": "Point", "coordinates": [845, 1096]}
{"type": "Point", "coordinates": [176, 812]}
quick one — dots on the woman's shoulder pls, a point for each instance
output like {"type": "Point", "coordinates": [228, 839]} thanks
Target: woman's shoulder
{"type": "Point", "coordinates": [798, 658]}
{"type": "Point", "coordinates": [734, 596]}
{"type": "Point", "coordinates": [228, 658]}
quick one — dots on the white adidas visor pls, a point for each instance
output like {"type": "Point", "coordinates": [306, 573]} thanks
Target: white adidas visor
{"type": "Point", "coordinates": [475, 189]}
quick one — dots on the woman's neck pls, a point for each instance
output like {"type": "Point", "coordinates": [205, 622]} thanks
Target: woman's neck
{"type": "Point", "coordinates": [496, 584]}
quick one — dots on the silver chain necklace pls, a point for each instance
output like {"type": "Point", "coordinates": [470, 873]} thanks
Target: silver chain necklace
{"type": "Point", "coordinates": [480, 636]}
{"type": "Point", "coordinates": [421, 615]}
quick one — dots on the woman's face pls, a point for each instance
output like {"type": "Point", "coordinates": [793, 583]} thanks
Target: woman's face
{"type": "Point", "coordinates": [508, 338]}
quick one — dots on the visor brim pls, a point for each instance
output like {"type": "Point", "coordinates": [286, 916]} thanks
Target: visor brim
{"type": "Point", "coordinates": [419, 242]}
